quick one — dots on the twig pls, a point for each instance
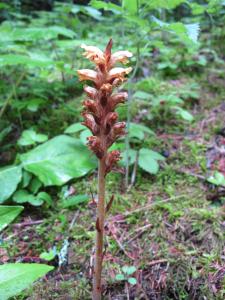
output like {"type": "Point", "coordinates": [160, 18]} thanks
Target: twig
{"type": "Point", "coordinates": [73, 220]}
{"type": "Point", "coordinates": [152, 204]}
{"type": "Point", "coordinates": [140, 231]}
{"type": "Point", "coordinates": [30, 223]}
{"type": "Point", "coordinates": [156, 262]}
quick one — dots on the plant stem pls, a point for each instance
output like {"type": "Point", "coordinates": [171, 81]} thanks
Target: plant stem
{"type": "Point", "coordinates": [96, 294]}
{"type": "Point", "coordinates": [11, 95]}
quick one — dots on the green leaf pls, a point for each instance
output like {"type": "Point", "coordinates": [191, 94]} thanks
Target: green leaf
{"type": "Point", "coordinates": [166, 4]}
{"type": "Point", "coordinates": [45, 197]}
{"type": "Point", "coordinates": [9, 179]}
{"type": "Point", "coordinates": [184, 114]}
{"type": "Point", "coordinates": [8, 214]}
{"type": "Point", "coordinates": [130, 6]}
{"type": "Point", "coordinates": [187, 32]}
{"type": "Point", "coordinates": [35, 185]}
{"type": "Point", "coordinates": [120, 277]}
{"type": "Point", "coordinates": [23, 196]}
{"type": "Point", "coordinates": [74, 200]}
{"type": "Point", "coordinates": [142, 95]}
{"type": "Point", "coordinates": [35, 60]}
{"type": "Point", "coordinates": [30, 137]}
{"type": "Point", "coordinates": [14, 278]}
{"type": "Point", "coordinates": [217, 178]}
{"type": "Point", "coordinates": [106, 6]}
{"type": "Point", "coordinates": [59, 160]}
{"type": "Point", "coordinates": [129, 270]}
{"type": "Point", "coordinates": [132, 280]}
{"type": "Point", "coordinates": [76, 127]}
{"type": "Point", "coordinates": [132, 154]}
{"type": "Point", "coordinates": [84, 135]}
{"type": "Point", "coordinates": [148, 160]}
{"type": "Point", "coordinates": [138, 131]}
{"type": "Point", "coordinates": [48, 255]}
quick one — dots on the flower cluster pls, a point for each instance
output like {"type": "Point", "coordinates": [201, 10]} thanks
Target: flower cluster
{"type": "Point", "coordinates": [99, 107]}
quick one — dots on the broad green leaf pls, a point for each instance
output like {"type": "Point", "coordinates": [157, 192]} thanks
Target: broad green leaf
{"type": "Point", "coordinates": [120, 277]}
{"type": "Point", "coordinates": [9, 179]}
{"type": "Point", "coordinates": [59, 160]}
{"type": "Point", "coordinates": [132, 280]}
{"type": "Point", "coordinates": [217, 178]}
{"type": "Point", "coordinates": [8, 214]}
{"type": "Point", "coordinates": [44, 197]}
{"type": "Point", "coordinates": [148, 160]}
{"type": "Point", "coordinates": [187, 32]}
{"type": "Point", "coordinates": [132, 154]}
{"type": "Point", "coordinates": [106, 6]}
{"type": "Point", "coordinates": [23, 196]}
{"type": "Point", "coordinates": [129, 269]}
{"type": "Point", "coordinates": [142, 95]}
{"type": "Point", "coordinates": [34, 60]}
{"type": "Point", "coordinates": [184, 114]}
{"type": "Point", "coordinates": [74, 200]}
{"type": "Point", "coordinates": [84, 135]}
{"type": "Point", "coordinates": [166, 4]}
{"type": "Point", "coordinates": [14, 278]}
{"type": "Point", "coordinates": [50, 255]}
{"type": "Point", "coordinates": [138, 131]}
{"type": "Point", "coordinates": [76, 127]}
{"type": "Point", "coordinates": [130, 6]}
{"type": "Point", "coordinates": [35, 185]}
{"type": "Point", "coordinates": [30, 137]}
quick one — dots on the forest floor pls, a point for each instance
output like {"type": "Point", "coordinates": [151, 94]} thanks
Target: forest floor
{"type": "Point", "coordinates": [169, 226]}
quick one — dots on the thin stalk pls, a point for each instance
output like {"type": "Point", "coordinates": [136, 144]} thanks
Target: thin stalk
{"type": "Point", "coordinates": [127, 140]}
{"type": "Point", "coordinates": [99, 231]}
{"type": "Point", "coordinates": [11, 95]}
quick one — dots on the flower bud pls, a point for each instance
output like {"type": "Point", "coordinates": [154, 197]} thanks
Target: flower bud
{"type": "Point", "coordinates": [111, 159]}
{"type": "Point", "coordinates": [93, 54]}
{"type": "Point", "coordinates": [91, 106]}
{"type": "Point", "coordinates": [90, 91]}
{"type": "Point", "coordinates": [110, 120]}
{"type": "Point", "coordinates": [87, 74]}
{"type": "Point", "coordinates": [90, 123]}
{"type": "Point", "coordinates": [117, 99]}
{"type": "Point", "coordinates": [94, 144]}
{"type": "Point", "coordinates": [120, 56]}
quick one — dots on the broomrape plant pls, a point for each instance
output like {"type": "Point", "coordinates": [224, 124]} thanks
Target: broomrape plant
{"type": "Point", "coordinates": [100, 117]}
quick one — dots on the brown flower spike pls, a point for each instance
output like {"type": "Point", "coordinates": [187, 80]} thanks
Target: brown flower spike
{"type": "Point", "coordinates": [100, 117]}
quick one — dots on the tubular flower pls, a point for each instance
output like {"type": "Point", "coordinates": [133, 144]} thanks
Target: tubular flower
{"type": "Point", "coordinates": [121, 56]}
{"type": "Point", "coordinates": [99, 109]}
{"type": "Point", "coordinates": [87, 74]}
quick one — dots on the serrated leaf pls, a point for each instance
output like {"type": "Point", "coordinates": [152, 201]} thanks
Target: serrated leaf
{"type": "Point", "coordinates": [8, 214]}
{"type": "Point", "coordinates": [14, 278]}
{"type": "Point", "coordinates": [9, 179]}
